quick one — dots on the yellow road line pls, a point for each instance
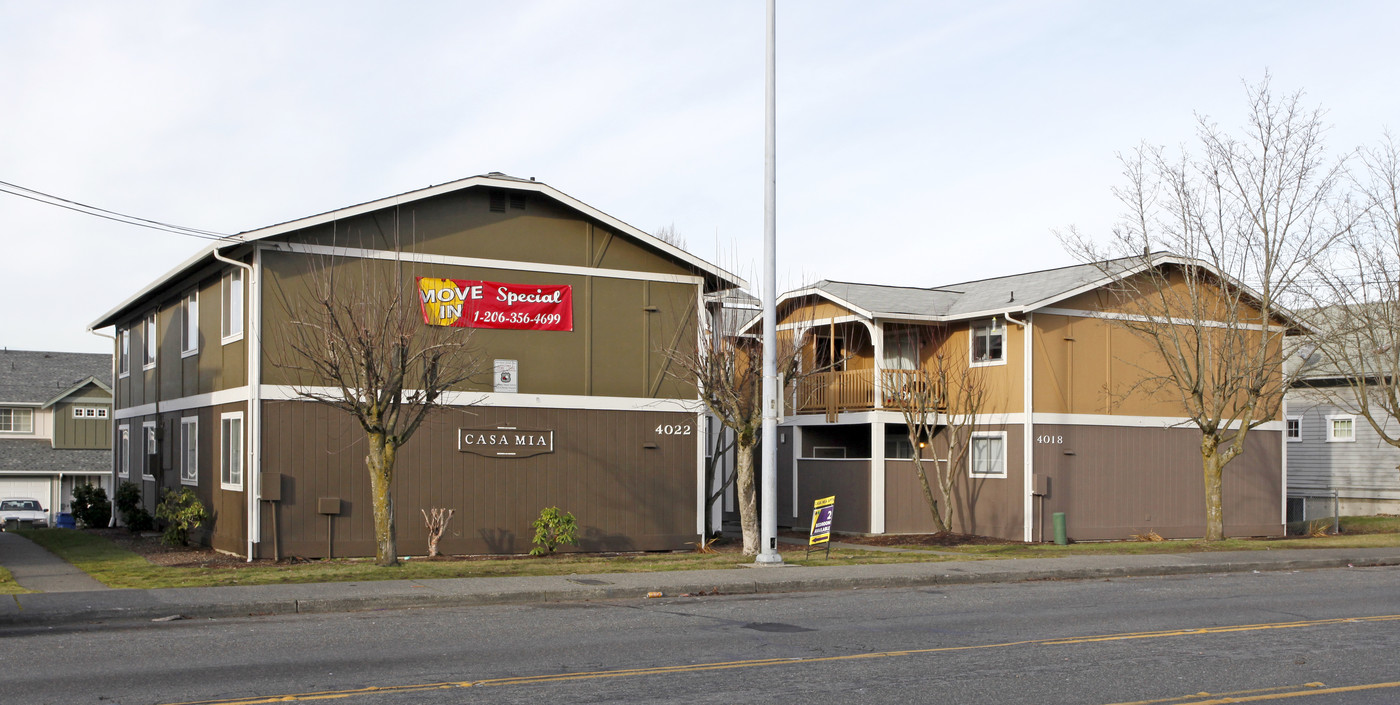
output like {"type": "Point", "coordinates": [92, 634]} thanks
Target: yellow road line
{"type": "Point", "coordinates": [1254, 696]}
{"type": "Point", "coordinates": [1261, 694]}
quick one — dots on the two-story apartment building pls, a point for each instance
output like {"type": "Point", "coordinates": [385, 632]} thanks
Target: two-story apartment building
{"type": "Point", "coordinates": [209, 393]}
{"type": "Point", "coordinates": [1063, 428]}
{"type": "Point", "coordinates": [55, 424]}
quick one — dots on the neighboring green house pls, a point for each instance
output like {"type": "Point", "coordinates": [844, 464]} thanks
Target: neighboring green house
{"type": "Point", "coordinates": [55, 424]}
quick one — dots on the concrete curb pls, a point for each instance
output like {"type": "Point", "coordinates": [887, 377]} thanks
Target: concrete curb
{"type": "Point", "coordinates": [76, 608]}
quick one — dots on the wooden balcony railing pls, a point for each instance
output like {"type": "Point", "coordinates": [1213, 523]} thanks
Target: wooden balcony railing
{"type": "Point", "coordinates": [831, 393]}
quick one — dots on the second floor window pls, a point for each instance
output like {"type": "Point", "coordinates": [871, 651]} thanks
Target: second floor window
{"type": "Point", "coordinates": [17, 420]}
{"type": "Point", "coordinates": [189, 324]}
{"type": "Point", "coordinates": [150, 342]}
{"type": "Point", "coordinates": [989, 343]}
{"type": "Point", "coordinates": [1341, 429]}
{"type": "Point", "coordinates": [123, 352]}
{"type": "Point", "coordinates": [232, 306]}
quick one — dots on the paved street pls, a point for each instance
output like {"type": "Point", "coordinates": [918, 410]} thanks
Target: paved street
{"type": "Point", "coordinates": [1315, 636]}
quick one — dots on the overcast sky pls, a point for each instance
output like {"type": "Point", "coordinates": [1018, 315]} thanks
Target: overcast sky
{"type": "Point", "coordinates": [919, 143]}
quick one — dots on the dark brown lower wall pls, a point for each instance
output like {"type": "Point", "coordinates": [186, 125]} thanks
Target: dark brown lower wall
{"type": "Point", "coordinates": [990, 506]}
{"type": "Point", "coordinates": [626, 496]}
{"type": "Point", "coordinates": [1112, 482]}
{"type": "Point", "coordinates": [847, 480]}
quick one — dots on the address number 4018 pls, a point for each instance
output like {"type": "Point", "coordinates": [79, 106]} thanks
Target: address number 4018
{"type": "Point", "coordinates": [675, 430]}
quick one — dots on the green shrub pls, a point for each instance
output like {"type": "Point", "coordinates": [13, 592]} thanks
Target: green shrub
{"type": "Point", "coordinates": [181, 511]}
{"type": "Point", "coordinates": [552, 529]}
{"type": "Point", "coordinates": [128, 501]}
{"type": "Point", "coordinates": [90, 505]}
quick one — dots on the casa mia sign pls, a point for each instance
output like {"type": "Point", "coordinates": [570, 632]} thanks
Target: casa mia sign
{"type": "Point", "coordinates": [470, 303]}
{"type": "Point", "coordinates": [505, 441]}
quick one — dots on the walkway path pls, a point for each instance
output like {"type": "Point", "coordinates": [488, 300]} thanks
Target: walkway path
{"type": "Point", "coordinates": [34, 568]}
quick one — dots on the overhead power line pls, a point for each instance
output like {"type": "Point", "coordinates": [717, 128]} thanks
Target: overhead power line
{"type": "Point", "coordinates": [52, 200]}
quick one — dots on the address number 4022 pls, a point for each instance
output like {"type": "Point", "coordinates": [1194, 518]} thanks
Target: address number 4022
{"type": "Point", "coordinates": [675, 430]}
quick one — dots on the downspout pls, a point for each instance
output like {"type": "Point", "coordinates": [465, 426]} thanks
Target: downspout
{"type": "Point", "coordinates": [1027, 430]}
{"type": "Point", "coordinates": [250, 338]}
{"type": "Point", "coordinates": [112, 520]}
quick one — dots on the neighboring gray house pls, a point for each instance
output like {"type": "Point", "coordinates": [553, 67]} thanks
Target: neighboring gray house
{"type": "Point", "coordinates": [55, 424]}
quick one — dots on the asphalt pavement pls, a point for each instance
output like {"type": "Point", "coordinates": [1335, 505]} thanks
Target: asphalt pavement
{"type": "Point", "coordinates": [75, 598]}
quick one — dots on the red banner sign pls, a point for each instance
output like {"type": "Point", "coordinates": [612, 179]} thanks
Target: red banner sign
{"type": "Point", "coordinates": [467, 303]}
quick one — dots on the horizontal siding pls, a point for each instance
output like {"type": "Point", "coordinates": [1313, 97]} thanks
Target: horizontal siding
{"type": "Point", "coordinates": [1365, 467]}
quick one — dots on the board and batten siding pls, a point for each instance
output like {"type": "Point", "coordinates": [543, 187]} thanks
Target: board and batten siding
{"type": "Point", "coordinates": [1365, 468]}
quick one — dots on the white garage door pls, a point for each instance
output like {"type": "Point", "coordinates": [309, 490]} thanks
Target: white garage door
{"type": "Point", "coordinates": [28, 488]}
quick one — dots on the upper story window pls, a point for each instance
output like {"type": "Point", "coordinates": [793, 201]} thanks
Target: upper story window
{"type": "Point", "coordinates": [1293, 430]}
{"type": "Point", "coordinates": [232, 306]}
{"type": "Point", "coordinates": [17, 420]}
{"type": "Point", "coordinates": [901, 349]}
{"type": "Point", "coordinates": [150, 341]}
{"type": "Point", "coordinates": [189, 324]}
{"type": "Point", "coordinates": [123, 352]}
{"type": "Point", "coordinates": [89, 412]}
{"type": "Point", "coordinates": [830, 352]}
{"type": "Point", "coordinates": [1341, 429]}
{"type": "Point", "coordinates": [989, 343]}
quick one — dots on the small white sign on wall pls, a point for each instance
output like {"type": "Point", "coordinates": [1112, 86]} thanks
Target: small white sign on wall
{"type": "Point", "coordinates": [507, 376]}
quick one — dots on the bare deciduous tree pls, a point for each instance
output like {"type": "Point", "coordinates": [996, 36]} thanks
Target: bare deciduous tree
{"type": "Point", "coordinates": [940, 405]}
{"type": "Point", "coordinates": [436, 522]}
{"type": "Point", "coordinates": [1357, 301]}
{"type": "Point", "coordinates": [357, 342]}
{"type": "Point", "coordinates": [1244, 219]}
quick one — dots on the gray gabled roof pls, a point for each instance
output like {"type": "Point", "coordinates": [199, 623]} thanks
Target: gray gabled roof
{"type": "Point", "coordinates": [37, 378]}
{"type": "Point", "coordinates": [1015, 293]}
{"type": "Point", "coordinates": [40, 457]}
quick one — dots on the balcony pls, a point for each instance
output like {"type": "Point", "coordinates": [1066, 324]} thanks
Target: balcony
{"type": "Point", "coordinates": [832, 393]}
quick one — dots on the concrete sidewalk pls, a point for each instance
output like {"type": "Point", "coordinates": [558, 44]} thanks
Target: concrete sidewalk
{"type": "Point", "coordinates": [119, 605]}
{"type": "Point", "coordinates": [34, 568]}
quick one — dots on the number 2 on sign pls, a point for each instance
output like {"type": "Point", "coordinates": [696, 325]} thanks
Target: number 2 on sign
{"type": "Point", "coordinates": [674, 430]}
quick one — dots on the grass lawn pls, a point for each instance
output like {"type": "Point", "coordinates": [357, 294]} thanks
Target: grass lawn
{"type": "Point", "coordinates": [117, 567]}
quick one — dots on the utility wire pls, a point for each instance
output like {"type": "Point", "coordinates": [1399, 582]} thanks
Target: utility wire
{"type": "Point", "coordinates": [49, 199]}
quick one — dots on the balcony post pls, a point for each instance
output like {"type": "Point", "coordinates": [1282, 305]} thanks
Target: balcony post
{"type": "Point", "coordinates": [877, 336]}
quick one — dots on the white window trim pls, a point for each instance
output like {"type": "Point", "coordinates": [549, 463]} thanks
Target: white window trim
{"type": "Point", "coordinates": [1330, 428]}
{"type": "Point", "coordinates": [89, 412]}
{"type": "Point", "coordinates": [124, 450]}
{"type": "Point", "coordinates": [146, 453]}
{"type": "Point", "coordinates": [124, 353]}
{"type": "Point", "coordinates": [242, 451]}
{"type": "Point", "coordinates": [189, 324]}
{"type": "Point", "coordinates": [972, 343]}
{"type": "Point", "coordinates": [1293, 439]}
{"type": "Point", "coordinates": [13, 410]}
{"type": "Point", "coordinates": [972, 455]}
{"type": "Point", "coordinates": [152, 351]}
{"type": "Point", "coordinates": [189, 441]}
{"type": "Point", "coordinates": [226, 315]}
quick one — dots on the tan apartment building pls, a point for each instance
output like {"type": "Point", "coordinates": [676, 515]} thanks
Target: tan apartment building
{"type": "Point", "coordinates": [208, 389]}
{"type": "Point", "coordinates": [1064, 427]}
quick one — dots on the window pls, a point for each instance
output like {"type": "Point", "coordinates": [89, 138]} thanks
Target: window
{"type": "Point", "coordinates": [988, 454]}
{"type": "Point", "coordinates": [189, 324]}
{"type": "Point", "coordinates": [189, 450]}
{"type": "Point", "coordinates": [898, 447]}
{"type": "Point", "coordinates": [89, 412]}
{"type": "Point", "coordinates": [830, 353]}
{"type": "Point", "coordinates": [123, 352]}
{"type": "Point", "coordinates": [988, 344]}
{"type": "Point", "coordinates": [17, 420]}
{"type": "Point", "coordinates": [150, 342]}
{"type": "Point", "coordinates": [231, 451]}
{"type": "Point", "coordinates": [148, 433]}
{"type": "Point", "coordinates": [123, 451]}
{"type": "Point", "coordinates": [1294, 429]}
{"type": "Point", "coordinates": [232, 306]}
{"type": "Point", "coordinates": [901, 349]}
{"type": "Point", "coordinates": [1341, 429]}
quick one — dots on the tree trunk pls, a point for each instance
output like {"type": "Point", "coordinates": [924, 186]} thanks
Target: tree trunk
{"type": "Point", "coordinates": [748, 500]}
{"type": "Point", "coordinates": [938, 524]}
{"type": "Point", "coordinates": [1214, 467]}
{"type": "Point", "coordinates": [381, 472]}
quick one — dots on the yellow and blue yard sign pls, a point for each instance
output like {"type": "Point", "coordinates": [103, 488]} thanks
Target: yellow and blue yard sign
{"type": "Point", "coordinates": [823, 513]}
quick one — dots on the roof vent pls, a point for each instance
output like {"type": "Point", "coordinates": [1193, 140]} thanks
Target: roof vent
{"type": "Point", "coordinates": [517, 201]}
{"type": "Point", "coordinates": [498, 202]}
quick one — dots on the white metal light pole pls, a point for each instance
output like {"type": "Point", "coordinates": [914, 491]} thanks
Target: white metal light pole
{"type": "Point", "coordinates": [768, 534]}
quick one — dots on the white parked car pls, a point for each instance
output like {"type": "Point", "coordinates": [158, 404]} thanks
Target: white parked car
{"type": "Point", "coordinates": [24, 510]}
